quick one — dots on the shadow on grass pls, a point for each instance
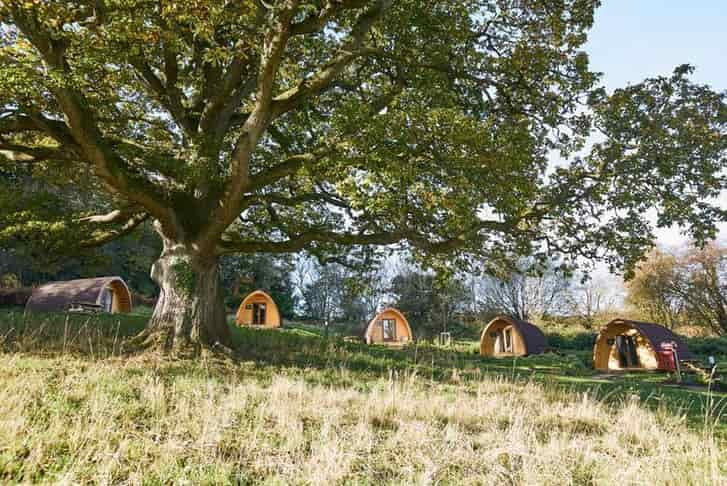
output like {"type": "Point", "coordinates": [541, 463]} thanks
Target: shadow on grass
{"type": "Point", "coordinates": [302, 350]}
{"type": "Point", "coordinates": [92, 335]}
{"type": "Point", "coordinates": [333, 361]}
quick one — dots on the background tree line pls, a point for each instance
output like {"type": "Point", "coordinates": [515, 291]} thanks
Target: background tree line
{"type": "Point", "coordinates": [679, 289]}
{"type": "Point", "coordinates": [687, 287]}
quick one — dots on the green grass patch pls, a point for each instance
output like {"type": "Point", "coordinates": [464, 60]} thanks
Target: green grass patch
{"type": "Point", "coordinates": [74, 407]}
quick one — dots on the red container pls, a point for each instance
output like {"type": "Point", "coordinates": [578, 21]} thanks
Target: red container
{"type": "Point", "coordinates": [666, 360]}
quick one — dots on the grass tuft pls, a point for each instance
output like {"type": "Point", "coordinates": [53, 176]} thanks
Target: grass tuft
{"type": "Point", "coordinates": [294, 407]}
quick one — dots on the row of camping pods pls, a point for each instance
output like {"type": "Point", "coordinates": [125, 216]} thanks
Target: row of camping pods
{"type": "Point", "coordinates": [621, 345]}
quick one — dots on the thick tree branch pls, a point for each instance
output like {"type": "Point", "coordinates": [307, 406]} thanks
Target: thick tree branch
{"type": "Point", "coordinates": [295, 200]}
{"type": "Point", "coordinates": [232, 244]}
{"type": "Point", "coordinates": [266, 108]}
{"type": "Point", "coordinates": [21, 153]}
{"type": "Point", "coordinates": [220, 108]}
{"type": "Point", "coordinates": [114, 216]}
{"type": "Point", "coordinates": [303, 240]}
{"type": "Point", "coordinates": [36, 122]}
{"type": "Point", "coordinates": [351, 50]}
{"type": "Point", "coordinates": [317, 20]}
{"type": "Point", "coordinates": [238, 180]}
{"type": "Point", "coordinates": [18, 124]}
{"type": "Point", "coordinates": [275, 173]}
{"type": "Point", "coordinates": [109, 166]}
{"type": "Point", "coordinates": [167, 94]}
{"type": "Point", "coordinates": [101, 238]}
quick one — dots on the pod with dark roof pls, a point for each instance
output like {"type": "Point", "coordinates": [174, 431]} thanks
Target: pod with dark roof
{"type": "Point", "coordinates": [107, 294]}
{"type": "Point", "coordinates": [634, 345]}
{"type": "Point", "coordinates": [505, 336]}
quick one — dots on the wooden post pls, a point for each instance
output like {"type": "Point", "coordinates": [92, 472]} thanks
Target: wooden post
{"type": "Point", "coordinates": [676, 361]}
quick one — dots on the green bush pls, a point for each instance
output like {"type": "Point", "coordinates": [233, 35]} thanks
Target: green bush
{"type": "Point", "coordinates": [582, 341]}
{"type": "Point", "coordinates": [708, 346]}
{"type": "Point", "coordinates": [462, 331]}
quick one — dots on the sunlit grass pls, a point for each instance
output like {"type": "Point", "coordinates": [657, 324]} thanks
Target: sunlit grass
{"type": "Point", "coordinates": [293, 407]}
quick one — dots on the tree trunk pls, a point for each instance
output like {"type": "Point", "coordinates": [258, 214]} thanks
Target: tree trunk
{"type": "Point", "coordinates": [190, 312]}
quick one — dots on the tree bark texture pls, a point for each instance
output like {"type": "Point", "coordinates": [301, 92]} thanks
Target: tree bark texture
{"type": "Point", "coordinates": [190, 310]}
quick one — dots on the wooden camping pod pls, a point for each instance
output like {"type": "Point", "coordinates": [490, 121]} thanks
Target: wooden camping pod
{"type": "Point", "coordinates": [105, 294]}
{"type": "Point", "coordinates": [505, 336]}
{"type": "Point", "coordinates": [634, 345]}
{"type": "Point", "coordinates": [389, 327]}
{"type": "Point", "coordinates": [258, 309]}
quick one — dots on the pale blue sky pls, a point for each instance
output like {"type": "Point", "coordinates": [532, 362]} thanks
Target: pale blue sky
{"type": "Point", "coordinates": [635, 39]}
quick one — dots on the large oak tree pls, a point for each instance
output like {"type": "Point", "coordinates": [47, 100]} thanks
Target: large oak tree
{"type": "Point", "coordinates": [281, 125]}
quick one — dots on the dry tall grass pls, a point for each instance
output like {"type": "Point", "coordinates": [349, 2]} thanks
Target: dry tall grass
{"type": "Point", "coordinates": [139, 421]}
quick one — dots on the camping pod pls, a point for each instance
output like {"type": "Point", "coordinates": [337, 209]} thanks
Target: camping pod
{"type": "Point", "coordinates": [104, 294]}
{"type": "Point", "coordinates": [633, 345]}
{"type": "Point", "coordinates": [505, 336]}
{"type": "Point", "coordinates": [388, 327]}
{"type": "Point", "coordinates": [258, 309]}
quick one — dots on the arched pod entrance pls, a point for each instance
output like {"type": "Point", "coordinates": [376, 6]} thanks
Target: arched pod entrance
{"type": "Point", "coordinates": [388, 327]}
{"type": "Point", "coordinates": [258, 309]}
{"type": "Point", "coordinates": [634, 345]}
{"type": "Point", "coordinates": [505, 336]}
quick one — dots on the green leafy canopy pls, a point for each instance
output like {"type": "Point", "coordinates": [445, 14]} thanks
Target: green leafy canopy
{"type": "Point", "coordinates": [281, 125]}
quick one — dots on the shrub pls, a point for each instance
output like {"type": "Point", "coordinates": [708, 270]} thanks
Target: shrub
{"type": "Point", "coordinates": [582, 341]}
{"type": "Point", "coordinates": [708, 346]}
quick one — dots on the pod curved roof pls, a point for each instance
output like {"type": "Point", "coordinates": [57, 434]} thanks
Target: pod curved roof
{"type": "Point", "coordinates": [57, 296]}
{"type": "Point", "coordinates": [535, 341]}
{"type": "Point", "coordinates": [255, 293]}
{"type": "Point", "coordinates": [657, 335]}
{"type": "Point", "coordinates": [365, 331]}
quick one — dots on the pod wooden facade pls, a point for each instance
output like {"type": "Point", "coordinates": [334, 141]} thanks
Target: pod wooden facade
{"type": "Point", "coordinates": [258, 309]}
{"type": "Point", "coordinates": [105, 294]}
{"type": "Point", "coordinates": [634, 345]}
{"type": "Point", "coordinates": [389, 327]}
{"type": "Point", "coordinates": [505, 336]}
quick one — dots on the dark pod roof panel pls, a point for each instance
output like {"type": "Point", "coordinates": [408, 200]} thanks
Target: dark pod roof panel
{"type": "Point", "coordinates": [658, 336]}
{"type": "Point", "coordinates": [57, 296]}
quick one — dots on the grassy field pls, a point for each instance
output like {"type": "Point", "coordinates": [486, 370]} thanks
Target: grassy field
{"type": "Point", "coordinates": [293, 407]}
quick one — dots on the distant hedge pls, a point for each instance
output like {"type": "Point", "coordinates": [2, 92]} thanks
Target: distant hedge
{"type": "Point", "coordinates": [709, 346]}
{"type": "Point", "coordinates": [582, 341]}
